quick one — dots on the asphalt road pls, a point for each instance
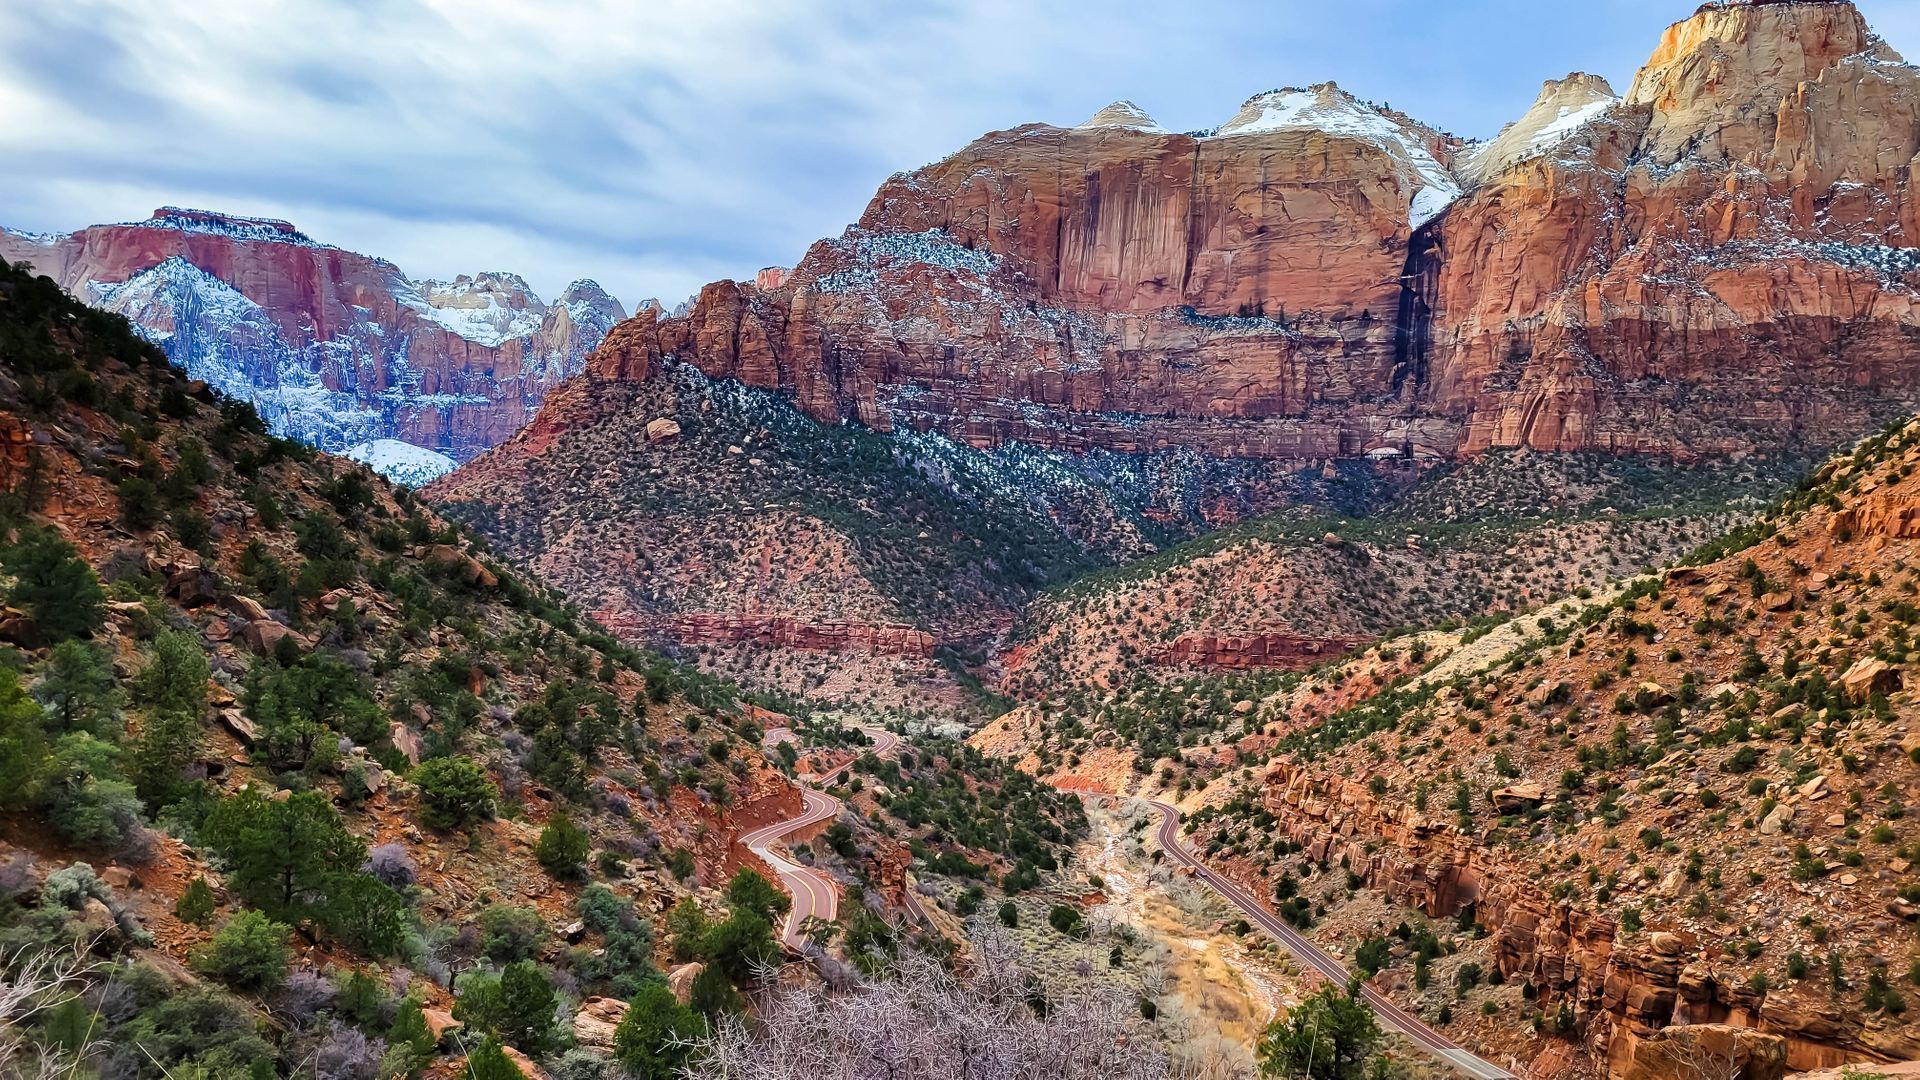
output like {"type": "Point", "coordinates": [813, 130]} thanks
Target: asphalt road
{"type": "Point", "coordinates": [815, 895]}
{"type": "Point", "coordinates": [1390, 1015]}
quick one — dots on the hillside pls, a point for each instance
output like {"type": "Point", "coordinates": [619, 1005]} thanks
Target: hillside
{"type": "Point", "coordinates": [292, 770]}
{"type": "Point", "coordinates": [1681, 802]}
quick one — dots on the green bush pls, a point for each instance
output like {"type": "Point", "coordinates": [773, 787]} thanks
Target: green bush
{"type": "Point", "coordinates": [455, 792]}
{"type": "Point", "coordinates": [518, 1005]}
{"type": "Point", "coordinates": [562, 848]}
{"type": "Point", "coordinates": [248, 953]}
{"type": "Point", "coordinates": [652, 1040]}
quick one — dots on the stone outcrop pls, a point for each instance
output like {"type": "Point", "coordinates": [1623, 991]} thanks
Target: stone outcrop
{"type": "Point", "coordinates": [1253, 651]}
{"type": "Point", "coordinates": [334, 347]}
{"type": "Point", "coordinates": [1714, 263]}
{"type": "Point", "coordinates": [777, 631]}
{"type": "Point", "coordinates": [1704, 1051]}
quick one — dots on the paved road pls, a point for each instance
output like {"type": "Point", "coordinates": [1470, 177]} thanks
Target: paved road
{"type": "Point", "coordinates": [815, 895]}
{"type": "Point", "coordinates": [1391, 1015]}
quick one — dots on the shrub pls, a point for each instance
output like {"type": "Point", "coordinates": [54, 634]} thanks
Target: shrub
{"type": "Point", "coordinates": [1009, 915]}
{"type": "Point", "coordinates": [652, 1039]}
{"type": "Point", "coordinates": [196, 903]}
{"type": "Point", "coordinates": [455, 792]}
{"type": "Point", "coordinates": [562, 848]}
{"type": "Point", "coordinates": [510, 933]}
{"type": "Point", "coordinates": [1066, 920]}
{"type": "Point", "coordinates": [285, 853]}
{"type": "Point", "coordinates": [248, 953]}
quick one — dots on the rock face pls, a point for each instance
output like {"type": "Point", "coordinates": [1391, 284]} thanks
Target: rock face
{"type": "Point", "coordinates": [1717, 262]}
{"type": "Point", "coordinates": [335, 348]}
{"type": "Point", "coordinates": [1253, 651]}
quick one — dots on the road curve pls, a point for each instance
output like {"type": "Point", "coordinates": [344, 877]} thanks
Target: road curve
{"type": "Point", "coordinates": [1390, 1014]}
{"type": "Point", "coordinates": [815, 895]}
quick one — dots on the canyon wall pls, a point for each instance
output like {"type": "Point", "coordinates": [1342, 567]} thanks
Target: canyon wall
{"type": "Point", "coordinates": [1716, 262]}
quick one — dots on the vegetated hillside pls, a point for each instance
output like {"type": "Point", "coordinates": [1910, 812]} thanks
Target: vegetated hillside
{"type": "Point", "coordinates": [1684, 804]}
{"type": "Point", "coordinates": [826, 561]}
{"type": "Point", "coordinates": [1500, 534]}
{"type": "Point", "coordinates": [282, 753]}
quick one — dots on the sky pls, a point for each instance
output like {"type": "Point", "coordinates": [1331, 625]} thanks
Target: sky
{"type": "Point", "coordinates": [656, 145]}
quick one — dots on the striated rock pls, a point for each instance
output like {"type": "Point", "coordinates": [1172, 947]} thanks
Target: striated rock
{"type": "Point", "coordinates": [1519, 798]}
{"type": "Point", "coordinates": [662, 430]}
{"type": "Point", "coordinates": [1712, 264]}
{"type": "Point", "coordinates": [781, 631]}
{"type": "Point", "coordinates": [1266, 650]}
{"type": "Point", "coordinates": [595, 1023]}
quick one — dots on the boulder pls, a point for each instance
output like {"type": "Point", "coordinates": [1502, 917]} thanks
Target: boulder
{"type": "Point", "coordinates": [1868, 677]}
{"type": "Point", "coordinates": [595, 1023]}
{"type": "Point", "coordinates": [661, 429]}
{"type": "Point", "coordinates": [1519, 798]}
{"type": "Point", "coordinates": [1708, 1052]}
{"type": "Point", "coordinates": [680, 980]}
{"type": "Point", "coordinates": [194, 586]}
{"type": "Point", "coordinates": [263, 636]}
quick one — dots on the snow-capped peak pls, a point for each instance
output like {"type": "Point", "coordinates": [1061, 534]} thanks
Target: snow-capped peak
{"type": "Point", "coordinates": [1124, 114]}
{"type": "Point", "coordinates": [240, 228]}
{"type": "Point", "coordinates": [488, 308]}
{"type": "Point", "coordinates": [1329, 109]}
{"type": "Point", "coordinates": [1565, 107]}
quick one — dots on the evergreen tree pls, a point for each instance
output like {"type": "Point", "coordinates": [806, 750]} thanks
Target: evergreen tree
{"type": "Point", "coordinates": [53, 585]}
{"type": "Point", "coordinates": [1329, 1036]}
{"type": "Point", "coordinates": [26, 756]}
{"type": "Point", "coordinates": [751, 891]}
{"type": "Point", "coordinates": [489, 1062]}
{"type": "Point", "coordinates": [454, 792]}
{"type": "Point", "coordinates": [196, 903]}
{"type": "Point", "coordinates": [78, 688]}
{"type": "Point", "coordinates": [650, 1042]}
{"type": "Point", "coordinates": [283, 853]}
{"type": "Point", "coordinates": [562, 847]}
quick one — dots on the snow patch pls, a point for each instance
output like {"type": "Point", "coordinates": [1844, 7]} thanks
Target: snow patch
{"type": "Point", "coordinates": [401, 462]}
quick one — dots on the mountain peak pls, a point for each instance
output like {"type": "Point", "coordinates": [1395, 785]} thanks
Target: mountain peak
{"type": "Point", "coordinates": [1564, 108]}
{"type": "Point", "coordinates": [1125, 115]}
{"type": "Point", "coordinates": [233, 225]}
{"type": "Point", "coordinates": [1716, 80]}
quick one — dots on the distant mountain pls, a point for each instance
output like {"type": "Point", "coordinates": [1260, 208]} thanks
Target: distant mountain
{"type": "Point", "coordinates": [337, 349]}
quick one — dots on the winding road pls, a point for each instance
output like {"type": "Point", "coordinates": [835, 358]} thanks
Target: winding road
{"type": "Point", "coordinates": [815, 895]}
{"type": "Point", "coordinates": [1391, 1015]}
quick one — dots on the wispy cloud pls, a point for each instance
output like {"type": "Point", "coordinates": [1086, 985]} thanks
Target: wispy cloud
{"type": "Point", "coordinates": [657, 146]}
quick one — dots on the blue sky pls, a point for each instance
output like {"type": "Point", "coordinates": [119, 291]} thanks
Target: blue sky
{"type": "Point", "coordinates": [655, 145]}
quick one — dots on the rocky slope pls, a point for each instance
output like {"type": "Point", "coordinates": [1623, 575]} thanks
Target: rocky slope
{"type": "Point", "coordinates": [337, 349]}
{"type": "Point", "coordinates": [1679, 803]}
{"type": "Point", "coordinates": [194, 609]}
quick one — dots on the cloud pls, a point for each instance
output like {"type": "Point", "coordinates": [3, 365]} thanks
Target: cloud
{"type": "Point", "coordinates": [657, 146]}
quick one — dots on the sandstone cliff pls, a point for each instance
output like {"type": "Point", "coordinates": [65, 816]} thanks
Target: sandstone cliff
{"type": "Point", "coordinates": [1715, 263]}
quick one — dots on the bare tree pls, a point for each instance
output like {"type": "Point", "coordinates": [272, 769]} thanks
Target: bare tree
{"type": "Point", "coordinates": [922, 1022]}
{"type": "Point", "coordinates": [34, 982]}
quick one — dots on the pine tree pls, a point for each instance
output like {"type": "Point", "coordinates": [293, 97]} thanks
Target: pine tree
{"type": "Point", "coordinates": [196, 903]}
{"type": "Point", "coordinates": [283, 853]}
{"type": "Point", "coordinates": [489, 1062]}
{"type": "Point", "coordinates": [562, 848]}
{"type": "Point", "coordinates": [78, 688]}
